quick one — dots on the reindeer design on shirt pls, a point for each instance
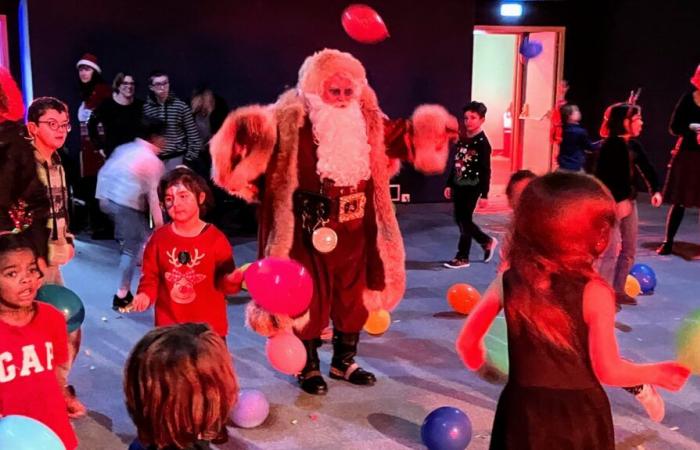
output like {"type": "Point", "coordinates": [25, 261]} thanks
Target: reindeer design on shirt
{"type": "Point", "coordinates": [184, 279]}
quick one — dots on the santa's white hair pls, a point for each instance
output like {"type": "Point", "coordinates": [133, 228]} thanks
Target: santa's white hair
{"type": "Point", "coordinates": [324, 64]}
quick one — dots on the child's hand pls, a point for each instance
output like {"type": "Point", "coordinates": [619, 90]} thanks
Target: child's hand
{"type": "Point", "coordinates": [475, 358]}
{"type": "Point", "coordinates": [447, 193]}
{"type": "Point", "coordinates": [74, 407]}
{"type": "Point", "coordinates": [656, 200]}
{"type": "Point", "coordinates": [140, 303]}
{"type": "Point", "coordinates": [672, 375]}
{"type": "Point", "coordinates": [233, 281]}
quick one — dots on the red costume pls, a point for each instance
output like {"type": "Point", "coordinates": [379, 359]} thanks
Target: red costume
{"type": "Point", "coordinates": [282, 142]}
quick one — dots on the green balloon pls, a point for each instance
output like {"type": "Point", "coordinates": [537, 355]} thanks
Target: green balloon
{"type": "Point", "coordinates": [65, 301]}
{"type": "Point", "coordinates": [688, 342]}
{"type": "Point", "coordinates": [496, 342]}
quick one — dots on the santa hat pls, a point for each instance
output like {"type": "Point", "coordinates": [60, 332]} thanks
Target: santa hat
{"type": "Point", "coordinates": [89, 60]}
{"type": "Point", "coordinates": [324, 64]}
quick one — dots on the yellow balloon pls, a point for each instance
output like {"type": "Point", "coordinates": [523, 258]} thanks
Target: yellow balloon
{"type": "Point", "coordinates": [378, 322]}
{"type": "Point", "coordinates": [324, 239]}
{"type": "Point", "coordinates": [632, 286]}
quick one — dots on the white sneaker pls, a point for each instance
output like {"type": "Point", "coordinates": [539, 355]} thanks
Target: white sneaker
{"type": "Point", "coordinates": [652, 402]}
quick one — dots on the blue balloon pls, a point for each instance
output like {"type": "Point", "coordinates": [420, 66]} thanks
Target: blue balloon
{"type": "Point", "coordinates": [646, 277]}
{"type": "Point", "coordinates": [65, 301]}
{"type": "Point", "coordinates": [530, 49]}
{"type": "Point", "coordinates": [446, 428]}
{"type": "Point", "coordinates": [25, 433]}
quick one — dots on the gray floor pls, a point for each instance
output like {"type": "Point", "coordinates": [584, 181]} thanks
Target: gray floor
{"type": "Point", "coordinates": [415, 360]}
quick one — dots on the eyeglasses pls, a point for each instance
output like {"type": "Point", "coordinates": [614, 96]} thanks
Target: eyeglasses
{"type": "Point", "coordinates": [161, 84]}
{"type": "Point", "coordinates": [55, 126]}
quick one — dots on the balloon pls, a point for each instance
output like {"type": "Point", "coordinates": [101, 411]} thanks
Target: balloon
{"type": "Point", "coordinates": [378, 321]}
{"type": "Point", "coordinates": [244, 267]}
{"type": "Point", "coordinates": [446, 428]}
{"type": "Point", "coordinates": [324, 239]}
{"type": "Point", "coordinates": [364, 24]}
{"type": "Point", "coordinates": [65, 301]}
{"type": "Point", "coordinates": [530, 49]}
{"type": "Point", "coordinates": [251, 410]}
{"type": "Point", "coordinates": [496, 342]}
{"type": "Point", "coordinates": [25, 433]}
{"type": "Point", "coordinates": [279, 285]}
{"type": "Point", "coordinates": [688, 342]}
{"type": "Point", "coordinates": [462, 297]}
{"type": "Point", "coordinates": [646, 277]}
{"type": "Point", "coordinates": [632, 287]}
{"type": "Point", "coordinates": [286, 353]}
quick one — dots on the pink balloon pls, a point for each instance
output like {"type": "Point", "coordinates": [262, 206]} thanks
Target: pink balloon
{"type": "Point", "coordinates": [364, 24]}
{"type": "Point", "coordinates": [279, 285]}
{"type": "Point", "coordinates": [286, 353]}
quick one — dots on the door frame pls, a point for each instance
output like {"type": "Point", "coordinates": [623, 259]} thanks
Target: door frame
{"type": "Point", "coordinates": [518, 88]}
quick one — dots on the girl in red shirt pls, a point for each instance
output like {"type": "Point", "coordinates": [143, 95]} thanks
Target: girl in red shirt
{"type": "Point", "coordinates": [33, 345]}
{"type": "Point", "coordinates": [188, 264]}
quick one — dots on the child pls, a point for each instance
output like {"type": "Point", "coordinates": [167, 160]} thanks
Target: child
{"type": "Point", "coordinates": [516, 184]}
{"type": "Point", "coordinates": [180, 386]}
{"type": "Point", "coordinates": [34, 343]}
{"type": "Point", "coordinates": [621, 159]}
{"type": "Point", "coordinates": [560, 316]}
{"type": "Point", "coordinates": [127, 187]}
{"type": "Point", "coordinates": [468, 184]}
{"type": "Point", "coordinates": [188, 263]}
{"type": "Point", "coordinates": [574, 141]}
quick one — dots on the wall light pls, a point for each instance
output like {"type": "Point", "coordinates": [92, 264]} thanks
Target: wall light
{"type": "Point", "coordinates": [511, 9]}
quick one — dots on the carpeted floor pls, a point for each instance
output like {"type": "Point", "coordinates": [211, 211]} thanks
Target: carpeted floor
{"type": "Point", "coordinates": [414, 360]}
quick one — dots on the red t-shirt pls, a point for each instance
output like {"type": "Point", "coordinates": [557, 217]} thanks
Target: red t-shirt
{"type": "Point", "coordinates": [182, 276]}
{"type": "Point", "coordinates": [29, 356]}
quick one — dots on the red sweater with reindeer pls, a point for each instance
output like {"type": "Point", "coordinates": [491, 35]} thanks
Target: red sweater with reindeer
{"type": "Point", "coordinates": [183, 277]}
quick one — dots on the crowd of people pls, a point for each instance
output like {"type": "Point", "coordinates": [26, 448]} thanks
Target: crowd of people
{"type": "Point", "coordinates": [319, 161]}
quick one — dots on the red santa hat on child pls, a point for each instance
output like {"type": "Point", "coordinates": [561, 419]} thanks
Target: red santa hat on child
{"type": "Point", "coordinates": [90, 60]}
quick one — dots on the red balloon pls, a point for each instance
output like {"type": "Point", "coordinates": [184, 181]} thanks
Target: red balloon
{"type": "Point", "coordinates": [279, 285]}
{"type": "Point", "coordinates": [286, 353]}
{"type": "Point", "coordinates": [364, 24]}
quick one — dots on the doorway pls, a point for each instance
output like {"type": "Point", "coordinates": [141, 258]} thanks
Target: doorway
{"type": "Point", "coordinates": [520, 94]}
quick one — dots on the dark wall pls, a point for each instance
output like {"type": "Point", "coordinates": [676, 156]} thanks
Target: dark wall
{"type": "Point", "coordinates": [615, 46]}
{"type": "Point", "coordinates": [249, 51]}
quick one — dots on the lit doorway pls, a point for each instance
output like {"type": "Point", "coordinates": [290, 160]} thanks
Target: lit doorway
{"type": "Point", "coordinates": [519, 94]}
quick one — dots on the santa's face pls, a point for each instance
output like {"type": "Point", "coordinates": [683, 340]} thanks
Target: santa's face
{"type": "Point", "coordinates": [338, 91]}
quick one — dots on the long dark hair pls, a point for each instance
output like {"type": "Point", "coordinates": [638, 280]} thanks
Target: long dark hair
{"type": "Point", "coordinates": [557, 229]}
{"type": "Point", "coordinates": [86, 89]}
{"type": "Point", "coordinates": [614, 119]}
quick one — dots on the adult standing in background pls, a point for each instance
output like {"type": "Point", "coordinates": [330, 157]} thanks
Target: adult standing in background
{"type": "Point", "coordinates": [682, 187]}
{"type": "Point", "coordinates": [183, 143]}
{"type": "Point", "coordinates": [119, 115]}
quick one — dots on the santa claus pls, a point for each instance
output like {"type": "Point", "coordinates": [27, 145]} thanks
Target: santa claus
{"type": "Point", "coordinates": [319, 161]}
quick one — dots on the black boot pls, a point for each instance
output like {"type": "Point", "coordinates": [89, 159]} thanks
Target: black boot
{"type": "Point", "coordinates": [310, 378]}
{"type": "Point", "coordinates": [343, 366]}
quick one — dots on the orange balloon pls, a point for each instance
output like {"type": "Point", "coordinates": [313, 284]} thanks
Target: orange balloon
{"type": "Point", "coordinates": [463, 297]}
{"type": "Point", "coordinates": [378, 321]}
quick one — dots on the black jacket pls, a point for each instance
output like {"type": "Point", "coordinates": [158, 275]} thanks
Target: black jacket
{"type": "Point", "coordinates": [471, 164]}
{"type": "Point", "coordinates": [621, 164]}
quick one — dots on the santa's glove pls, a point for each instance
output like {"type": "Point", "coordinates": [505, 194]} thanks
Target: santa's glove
{"type": "Point", "coordinates": [433, 128]}
{"type": "Point", "coordinates": [267, 324]}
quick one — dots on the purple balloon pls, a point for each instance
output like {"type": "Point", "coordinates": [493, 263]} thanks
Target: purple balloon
{"type": "Point", "coordinates": [530, 49]}
{"type": "Point", "coordinates": [251, 410]}
{"type": "Point", "coordinates": [279, 285]}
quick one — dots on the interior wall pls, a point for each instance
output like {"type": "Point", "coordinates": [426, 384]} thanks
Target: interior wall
{"type": "Point", "coordinates": [249, 52]}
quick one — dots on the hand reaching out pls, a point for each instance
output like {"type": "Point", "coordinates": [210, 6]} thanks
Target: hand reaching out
{"type": "Point", "coordinates": [656, 200]}
{"type": "Point", "coordinates": [140, 303]}
{"type": "Point", "coordinates": [672, 375]}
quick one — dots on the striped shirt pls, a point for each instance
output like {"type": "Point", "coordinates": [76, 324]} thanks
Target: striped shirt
{"type": "Point", "coordinates": [182, 137]}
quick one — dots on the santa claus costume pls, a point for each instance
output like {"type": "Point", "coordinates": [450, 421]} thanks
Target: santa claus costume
{"type": "Point", "coordinates": [321, 158]}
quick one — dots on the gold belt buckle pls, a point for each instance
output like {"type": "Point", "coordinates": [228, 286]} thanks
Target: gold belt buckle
{"type": "Point", "coordinates": [351, 207]}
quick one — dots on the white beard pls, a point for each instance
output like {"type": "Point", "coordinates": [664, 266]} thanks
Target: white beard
{"type": "Point", "coordinates": [341, 135]}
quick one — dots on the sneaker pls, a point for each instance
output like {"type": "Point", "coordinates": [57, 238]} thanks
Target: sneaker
{"type": "Point", "coordinates": [652, 402]}
{"type": "Point", "coordinates": [624, 299]}
{"type": "Point", "coordinates": [457, 263]}
{"type": "Point", "coordinates": [490, 249]}
{"type": "Point", "coordinates": [122, 303]}
{"type": "Point", "coordinates": [665, 249]}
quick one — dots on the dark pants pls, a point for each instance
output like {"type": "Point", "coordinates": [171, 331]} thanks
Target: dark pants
{"type": "Point", "coordinates": [465, 200]}
{"type": "Point", "coordinates": [673, 221]}
{"type": "Point", "coordinates": [340, 278]}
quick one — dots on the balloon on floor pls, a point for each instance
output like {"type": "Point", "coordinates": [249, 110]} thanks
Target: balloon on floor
{"type": "Point", "coordinates": [251, 410]}
{"type": "Point", "coordinates": [646, 277]}
{"type": "Point", "coordinates": [377, 322]}
{"type": "Point", "coordinates": [25, 433]}
{"type": "Point", "coordinates": [446, 428]}
{"type": "Point", "coordinates": [65, 301]}
{"type": "Point", "coordinates": [462, 297]}
{"type": "Point", "coordinates": [688, 342]}
{"type": "Point", "coordinates": [632, 286]}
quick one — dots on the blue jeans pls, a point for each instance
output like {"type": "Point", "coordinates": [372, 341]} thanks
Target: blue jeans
{"type": "Point", "coordinates": [618, 258]}
{"type": "Point", "coordinates": [131, 231]}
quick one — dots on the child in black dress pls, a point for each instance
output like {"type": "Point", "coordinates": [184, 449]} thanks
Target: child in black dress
{"type": "Point", "coordinates": [560, 316]}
